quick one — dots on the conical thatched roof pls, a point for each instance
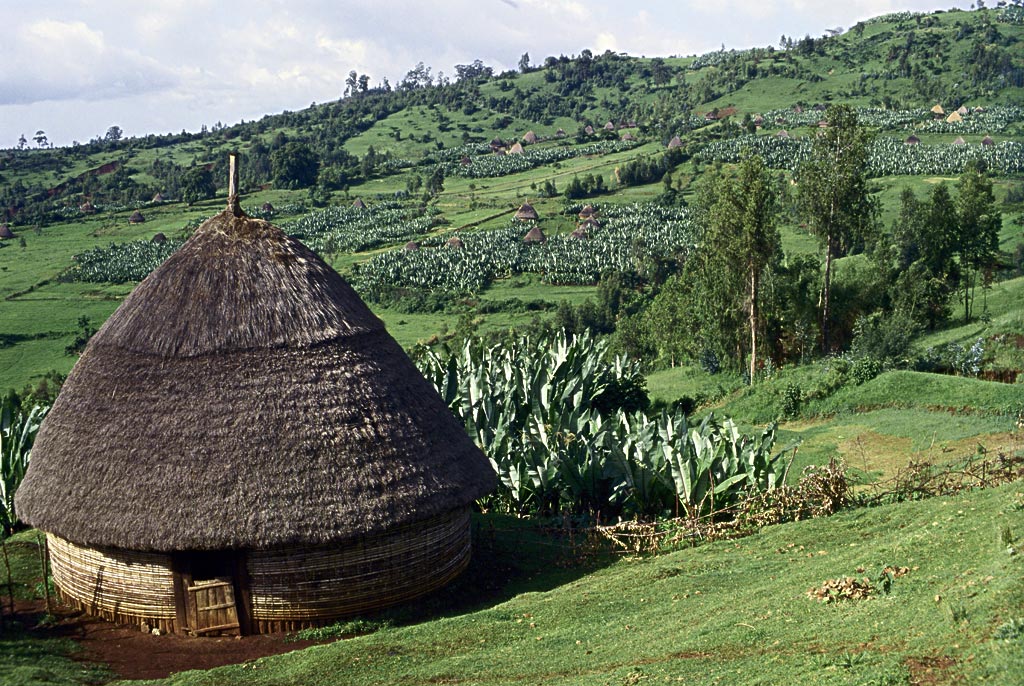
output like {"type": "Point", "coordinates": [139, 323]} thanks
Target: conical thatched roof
{"type": "Point", "coordinates": [953, 118]}
{"type": "Point", "coordinates": [159, 238]}
{"type": "Point", "coordinates": [411, 245]}
{"type": "Point", "coordinates": [987, 140]}
{"type": "Point", "coordinates": [589, 130]}
{"type": "Point", "coordinates": [456, 242]}
{"type": "Point", "coordinates": [465, 161]}
{"type": "Point", "coordinates": [586, 211]}
{"type": "Point", "coordinates": [516, 149]}
{"type": "Point", "coordinates": [962, 110]}
{"type": "Point", "coordinates": [535, 235]}
{"type": "Point", "coordinates": [86, 208]}
{"type": "Point", "coordinates": [136, 218]}
{"type": "Point", "coordinates": [609, 126]}
{"type": "Point", "coordinates": [529, 137]}
{"type": "Point", "coordinates": [526, 212]}
{"type": "Point", "coordinates": [627, 136]}
{"type": "Point", "coordinates": [5, 231]}
{"type": "Point", "coordinates": [578, 232]}
{"type": "Point", "coordinates": [159, 197]}
{"type": "Point", "coordinates": [560, 133]}
{"type": "Point", "coordinates": [782, 134]}
{"type": "Point", "coordinates": [959, 141]}
{"type": "Point", "coordinates": [243, 396]}
{"type": "Point", "coordinates": [675, 142]}
{"type": "Point", "coordinates": [938, 109]}
{"type": "Point", "coordinates": [358, 203]}
{"type": "Point", "coordinates": [912, 140]}
{"type": "Point", "coordinates": [268, 207]}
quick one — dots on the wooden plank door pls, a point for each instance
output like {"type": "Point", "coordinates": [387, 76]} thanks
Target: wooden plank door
{"type": "Point", "coordinates": [212, 592]}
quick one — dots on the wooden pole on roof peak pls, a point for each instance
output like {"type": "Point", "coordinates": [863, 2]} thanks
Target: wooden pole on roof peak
{"type": "Point", "coordinates": [233, 203]}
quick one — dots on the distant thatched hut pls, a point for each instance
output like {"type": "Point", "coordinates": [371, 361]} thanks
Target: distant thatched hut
{"type": "Point", "coordinates": [87, 208]}
{"type": "Point", "coordinates": [758, 120]}
{"type": "Point", "coordinates": [591, 223]}
{"type": "Point", "coordinates": [783, 134]}
{"type": "Point", "coordinates": [911, 140]}
{"type": "Point", "coordinates": [5, 231]}
{"type": "Point", "coordinates": [496, 144]}
{"type": "Point", "coordinates": [136, 218]}
{"type": "Point", "coordinates": [465, 161]}
{"type": "Point", "coordinates": [675, 143]}
{"type": "Point", "coordinates": [953, 118]}
{"type": "Point", "coordinates": [456, 242]}
{"type": "Point", "coordinates": [627, 136]}
{"type": "Point", "coordinates": [962, 111]}
{"type": "Point", "coordinates": [535, 235]}
{"type": "Point", "coordinates": [560, 133]}
{"type": "Point", "coordinates": [578, 233]}
{"type": "Point", "coordinates": [159, 197]}
{"type": "Point", "coordinates": [586, 212]}
{"type": "Point", "coordinates": [937, 111]}
{"type": "Point", "coordinates": [529, 137]}
{"type": "Point", "coordinates": [158, 238]}
{"type": "Point", "coordinates": [268, 207]}
{"type": "Point", "coordinates": [253, 455]}
{"type": "Point", "coordinates": [987, 140]}
{"type": "Point", "coordinates": [527, 213]}
{"type": "Point", "coordinates": [516, 149]}
{"type": "Point", "coordinates": [411, 245]}
{"type": "Point", "coordinates": [589, 130]}
{"type": "Point", "coordinates": [359, 204]}
{"type": "Point", "coordinates": [609, 126]}
{"type": "Point", "coordinates": [959, 140]}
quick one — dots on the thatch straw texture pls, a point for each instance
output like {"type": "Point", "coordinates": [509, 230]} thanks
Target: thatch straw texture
{"type": "Point", "coordinates": [535, 235]}
{"type": "Point", "coordinates": [456, 242]}
{"type": "Point", "coordinates": [959, 140]}
{"type": "Point", "coordinates": [937, 109]}
{"type": "Point", "coordinates": [675, 143]}
{"type": "Point", "coordinates": [136, 218]}
{"type": "Point", "coordinates": [359, 204]}
{"type": "Point", "coordinates": [987, 140]}
{"type": "Point", "coordinates": [529, 137]}
{"type": "Point", "coordinates": [953, 118]}
{"type": "Point", "coordinates": [5, 231]}
{"type": "Point", "coordinates": [911, 140]}
{"type": "Point", "coordinates": [244, 397]}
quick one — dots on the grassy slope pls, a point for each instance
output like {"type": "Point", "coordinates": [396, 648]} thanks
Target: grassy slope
{"type": "Point", "coordinates": [731, 612]}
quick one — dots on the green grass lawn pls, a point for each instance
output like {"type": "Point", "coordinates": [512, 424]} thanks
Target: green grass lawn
{"type": "Point", "coordinates": [732, 612]}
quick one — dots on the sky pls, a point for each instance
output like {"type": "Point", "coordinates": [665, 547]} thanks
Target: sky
{"type": "Point", "coordinates": [74, 68]}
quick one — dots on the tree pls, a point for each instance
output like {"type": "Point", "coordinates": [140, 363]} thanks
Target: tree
{"type": "Point", "coordinates": [977, 237]}
{"type": "Point", "coordinates": [294, 165]}
{"type": "Point", "coordinates": [113, 134]}
{"type": "Point", "coordinates": [350, 83]}
{"type": "Point", "coordinates": [524, 63]}
{"type": "Point", "coordinates": [435, 184]}
{"type": "Point", "coordinates": [197, 184]}
{"type": "Point", "coordinates": [832, 196]}
{"type": "Point", "coordinates": [40, 138]}
{"type": "Point", "coordinates": [22, 142]}
{"type": "Point", "coordinates": [743, 238]}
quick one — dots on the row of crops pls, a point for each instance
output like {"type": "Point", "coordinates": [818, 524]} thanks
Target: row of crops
{"type": "Point", "coordinates": [544, 412]}
{"type": "Point", "coordinates": [886, 156]}
{"type": "Point", "coordinates": [490, 165]}
{"type": "Point", "coordinates": [628, 239]}
{"type": "Point", "coordinates": [990, 120]}
{"type": "Point", "coordinates": [121, 262]}
{"type": "Point", "coordinates": [354, 229]}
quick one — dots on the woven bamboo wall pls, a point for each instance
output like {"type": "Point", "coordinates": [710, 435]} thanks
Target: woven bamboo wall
{"type": "Point", "coordinates": [290, 588]}
{"type": "Point", "coordinates": [296, 588]}
{"type": "Point", "coordinates": [118, 585]}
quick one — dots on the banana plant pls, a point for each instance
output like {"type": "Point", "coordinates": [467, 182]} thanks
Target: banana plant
{"type": "Point", "coordinates": [18, 430]}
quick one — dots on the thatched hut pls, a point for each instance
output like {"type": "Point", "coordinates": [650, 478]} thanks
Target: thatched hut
{"type": "Point", "coordinates": [676, 142]}
{"type": "Point", "coordinates": [987, 140]}
{"type": "Point", "coordinates": [578, 233]}
{"type": "Point", "coordinates": [535, 235]}
{"type": "Point", "coordinates": [159, 238]}
{"type": "Point", "coordinates": [954, 118]}
{"type": "Point", "coordinates": [609, 126]}
{"type": "Point", "coordinates": [516, 149]}
{"type": "Point", "coordinates": [411, 245]}
{"type": "Point", "coordinates": [911, 140]}
{"type": "Point", "coordinates": [496, 144]}
{"type": "Point", "coordinates": [5, 231]}
{"type": "Point", "coordinates": [465, 161]}
{"type": "Point", "coordinates": [456, 242]}
{"type": "Point", "coordinates": [962, 111]}
{"type": "Point", "coordinates": [586, 211]}
{"type": "Point", "coordinates": [136, 218]}
{"type": "Point", "coordinates": [529, 137]}
{"type": "Point", "coordinates": [959, 140]}
{"type": "Point", "coordinates": [243, 448]}
{"type": "Point", "coordinates": [627, 136]}
{"type": "Point", "coordinates": [937, 111]}
{"type": "Point", "coordinates": [87, 208]}
{"type": "Point", "coordinates": [159, 197]}
{"type": "Point", "coordinates": [527, 213]}
{"type": "Point", "coordinates": [268, 207]}
{"type": "Point", "coordinates": [782, 133]}
{"type": "Point", "coordinates": [359, 204]}
{"type": "Point", "coordinates": [560, 133]}
{"type": "Point", "coordinates": [589, 130]}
